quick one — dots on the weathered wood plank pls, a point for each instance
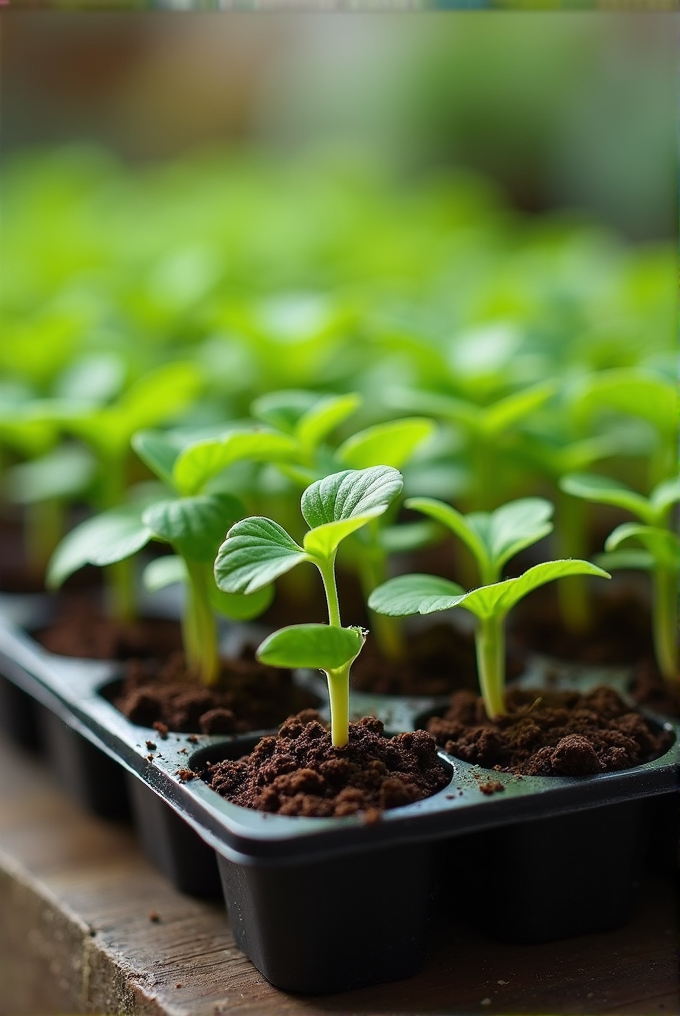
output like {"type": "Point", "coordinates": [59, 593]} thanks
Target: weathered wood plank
{"type": "Point", "coordinates": [75, 937]}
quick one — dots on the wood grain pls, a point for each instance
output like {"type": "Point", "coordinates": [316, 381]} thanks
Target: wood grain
{"type": "Point", "coordinates": [75, 937]}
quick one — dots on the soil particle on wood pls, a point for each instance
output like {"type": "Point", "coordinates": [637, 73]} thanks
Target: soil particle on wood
{"type": "Point", "coordinates": [560, 734]}
{"type": "Point", "coordinates": [299, 772]}
{"type": "Point", "coordinates": [248, 696]}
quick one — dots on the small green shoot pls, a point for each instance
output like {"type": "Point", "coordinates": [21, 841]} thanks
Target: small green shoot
{"type": "Point", "coordinates": [425, 594]}
{"type": "Point", "coordinates": [258, 550]}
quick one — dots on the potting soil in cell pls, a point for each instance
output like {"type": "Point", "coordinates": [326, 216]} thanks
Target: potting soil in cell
{"type": "Point", "coordinates": [550, 733]}
{"type": "Point", "coordinates": [299, 772]}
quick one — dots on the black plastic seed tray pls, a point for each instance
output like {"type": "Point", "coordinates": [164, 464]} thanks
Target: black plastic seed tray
{"type": "Point", "coordinates": [330, 904]}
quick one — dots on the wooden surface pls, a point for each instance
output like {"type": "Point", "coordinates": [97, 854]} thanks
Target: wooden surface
{"type": "Point", "coordinates": [75, 937]}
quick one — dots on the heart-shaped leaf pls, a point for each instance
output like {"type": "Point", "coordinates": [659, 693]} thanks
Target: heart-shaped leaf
{"type": "Point", "coordinates": [390, 443]}
{"type": "Point", "coordinates": [194, 526]}
{"type": "Point", "coordinates": [111, 536]}
{"type": "Point", "coordinates": [350, 494]}
{"type": "Point", "coordinates": [414, 594]}
{"type": "Point", "coordinates": [255, 552]}
{"type": "Point", "coordinates": [318, 646]}
{"type": "Point", "coordinates": [203, 461]}
{"type": "Point", "coordinates": [605, 490]}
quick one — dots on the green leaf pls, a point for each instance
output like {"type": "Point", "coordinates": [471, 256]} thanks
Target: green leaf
{"type": "Point", "coordinates": [158, 451]}
{"type": "Point", "coordinates": [194, 526]}
{"type": "Point", "coordinates": [499, 417]}
{"type": "Point", "coordinates": [604, 490]}
{"type": "Point", "coordinates": [255, 552]}
{"type": "Point", "coordinates": [662, 544]}
{"type": "Point", "coordinates": [323, 540]}
{"type": "Point", "coordinates": [318, 646]}
{"type": "Point", "coordinates": [456, 522]}
{"type": "Point", "coordinates": [203, 461]}
{"type": "Point", "coordinates": [350, 494]}
{"type": "Point", "coordinates": [512, 527]}
{"type": "Point", "coordinates": [323, 417]}
{"type": "Point", "coordinates": [391, 444]}
{"type": "Point", "coordinates": [414, 594]}
{"type": "Point", "coordinates": [240, 606]}
{"type": "Point", "coordinates": [496, 600]}
{"type": "Point", "coordinates": [101, 540]}
{"type": "Point", "coordinates": [62, 473]}
{"type": "Point", "coordinates": [618, 560]}
{"type": "Point", "coordinates": [164, 571]}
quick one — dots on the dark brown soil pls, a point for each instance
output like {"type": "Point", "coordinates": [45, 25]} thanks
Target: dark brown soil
{"type": "Point", "coordinates": [81, 629]}
{"type": "Point", "coordinates": [558, 734]}
{"type": "Point", "coordinates": [620, 632]}
{"type": "Point", "coordinates": [650, 689]}
{"type": "Point", "coordinates": [299, 772]}
{"type": "Point", "coordinates": [249, 696]}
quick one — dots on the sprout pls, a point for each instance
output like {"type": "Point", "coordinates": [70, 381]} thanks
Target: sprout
{"type": "Point", "coordinates": [257, 550]}
{"type": "Point", "coordinates": [425, 594]}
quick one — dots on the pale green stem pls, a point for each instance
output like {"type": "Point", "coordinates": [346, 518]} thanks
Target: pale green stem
{"type": "Point", "coordinates": [665, 619]}
{"type": "Point", "coordinates": [199, 628]}
{"type": "Point", "coordinates": [327, 569]}
{"type": "Point", "coordinates": [338, 695]}
{"type": "Point", "coordinates": [572, 594]}
{"type": "Point", "coordinates": [490, 646]}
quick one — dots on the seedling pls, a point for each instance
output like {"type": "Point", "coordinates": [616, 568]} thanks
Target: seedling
{"type": "Point", "coordinates": [258, 550]}
{"type": "Point", "coordinates": [425, 594]}
{"type": "Point", "coordinates": [309, 419]}
{"type": "Point", "coordinates": [658, 554]}
{"type": "Point", "coordinates": [193, 522]}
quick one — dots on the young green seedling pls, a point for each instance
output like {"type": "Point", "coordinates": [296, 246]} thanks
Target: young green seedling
{"type": "Point", "coordinates": [258, 550]}
{"type": "Point", "coordinates": [309, 419]}
{"type": "Point", "coordinates": [193, 522]}
{"type": "Point", "coordinates": [425, 594]}
{"type": "Point", "coordinates": [658, 554]}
